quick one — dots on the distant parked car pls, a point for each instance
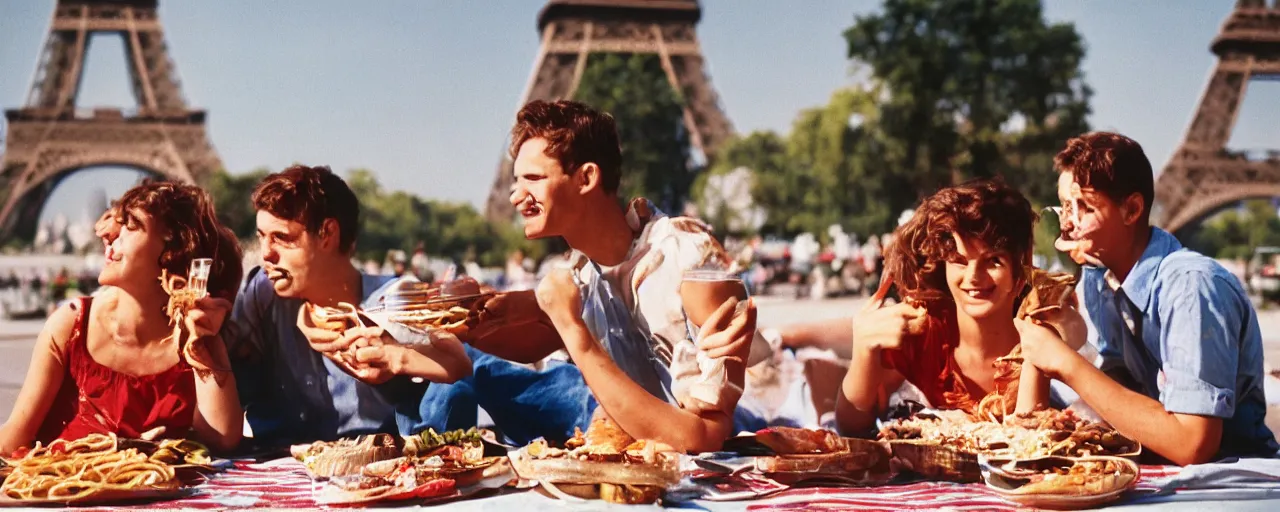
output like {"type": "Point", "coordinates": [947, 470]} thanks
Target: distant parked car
{"type": "Point", "coordinates": [1264, 273]}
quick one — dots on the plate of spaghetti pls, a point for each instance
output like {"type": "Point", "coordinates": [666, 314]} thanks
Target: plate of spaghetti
{"type": "Point", "coordinates": [90, 470]}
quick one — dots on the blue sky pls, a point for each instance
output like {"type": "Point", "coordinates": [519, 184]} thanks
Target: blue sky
{"type": "Point", "coordinates": [423, 92]}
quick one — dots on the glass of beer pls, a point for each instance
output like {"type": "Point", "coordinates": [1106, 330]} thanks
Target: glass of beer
{"type": "Point", "coordinates": [198, 276]}
{"type": "Point", "coordinates": [703, 291]}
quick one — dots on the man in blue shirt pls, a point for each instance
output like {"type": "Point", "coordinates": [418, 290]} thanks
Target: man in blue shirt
{"type": "Point", "coordinates": [1180, 349]}
{"type": "Point", "coordinates": [299, 383]}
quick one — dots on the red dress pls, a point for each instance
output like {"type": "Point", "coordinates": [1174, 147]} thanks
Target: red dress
{"type": "Point", "coordinates": [928, 362]}
{"type": "Point", "coordinates": [96, 399]}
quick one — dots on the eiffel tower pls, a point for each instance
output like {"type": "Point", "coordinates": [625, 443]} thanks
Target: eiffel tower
{"type": "Point", "coordinates": [1203, 174]}
{"type": "Point", "coordinates": [49, 139]}
{"type": "Point", "coordinates": [574, 29]}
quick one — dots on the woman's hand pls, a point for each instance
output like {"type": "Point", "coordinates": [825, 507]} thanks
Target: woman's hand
{"type": "Point", "coordinates": [203, 349]}
{"type": "Point", "coordinates": [205, 318]}
{"type": "Point", "coordinates": [886, 327]}
{"type": "Point", "coordinates": [206, 354]}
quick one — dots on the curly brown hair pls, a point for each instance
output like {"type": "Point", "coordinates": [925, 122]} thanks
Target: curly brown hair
{"type": "Point", "coordinates": [576, 134]}
{"type": "Point", "coordinates": [986, 209]}
{"type": "Point", "coordinates": [186, 220]}
{"type": "Point", "coordinates": [309, 196]}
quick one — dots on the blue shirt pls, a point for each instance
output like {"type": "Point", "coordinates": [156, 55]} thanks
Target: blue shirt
{"type": "Point", "coordinates": [1180, 329]}
{"type": "Point", "coordinates": [291, 393]}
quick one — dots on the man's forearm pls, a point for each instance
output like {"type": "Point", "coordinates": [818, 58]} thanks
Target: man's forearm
{"type": "Point", "coordinates": [522, 343]}
{"type": "Point", "coordinates": [1033, 389]}
{"type": "Point", "coordinates": [639, 413]}
{"type": "Point", "coordinates": [1139, 417]}
{"type": "Point", "coordinates": [435, 363]}
{"type": "Point", "coordinates": [835, 334]}
{"type": "Point", "coordinates": [217, 401]}
{"type": "Point", "coordinates": [859, 400]}
{"type": "Point", "coordinates": [518, 330]}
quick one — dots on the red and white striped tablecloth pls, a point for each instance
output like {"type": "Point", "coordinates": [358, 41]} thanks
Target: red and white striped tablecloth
{"type": "Point", "coordinates": [281, 483]}
{"type": "Point", "coordinates": [916, 496]}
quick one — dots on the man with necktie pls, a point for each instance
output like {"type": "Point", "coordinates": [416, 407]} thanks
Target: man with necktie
{"type": "Point", "coordinates": [1180, 366]}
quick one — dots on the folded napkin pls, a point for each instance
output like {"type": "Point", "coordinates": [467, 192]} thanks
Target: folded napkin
{"type": "Point", "coordinates": [1228, 479]}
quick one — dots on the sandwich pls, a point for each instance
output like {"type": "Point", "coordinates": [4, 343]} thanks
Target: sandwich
{"type": "Point", "coordinates": [328, 459]}
{"type": "Point", "coordinates": [1046, 290]}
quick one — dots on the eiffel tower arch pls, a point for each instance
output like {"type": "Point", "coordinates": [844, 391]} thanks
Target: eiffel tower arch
{"type": "Point", "coordinates": [572, 30]}
{"type": "Point", "coordinates": [1203, 175]}
{"type": "Point", "coordinates": [49, 139]}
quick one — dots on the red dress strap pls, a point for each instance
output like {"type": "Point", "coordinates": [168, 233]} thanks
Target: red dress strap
{"type": "Point", "coordinates": [65, 404]}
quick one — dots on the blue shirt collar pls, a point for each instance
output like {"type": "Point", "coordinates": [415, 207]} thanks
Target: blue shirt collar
{"type": "Point", "coordinates": [1140, 281]}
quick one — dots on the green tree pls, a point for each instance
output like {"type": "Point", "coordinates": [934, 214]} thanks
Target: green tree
{"type": "Point", "coordinates": [655, 145]}
{"type": "Point", "coordinates": [232, 195]}
{"type": "Point", "coordinates": [976, 88]}
{"type": "Point", "coordinates": [401, 221]}
{"type": "Point", "coordinates": [833, 168]}
{"type": "Point", "coordinates": [387, 220]}
{"type": "Point", "coordinates": [764, 154]}
{"type": "Point", "coordinates": [1235, 233]}
{"type": "Point", "coordinates": [850, 181]}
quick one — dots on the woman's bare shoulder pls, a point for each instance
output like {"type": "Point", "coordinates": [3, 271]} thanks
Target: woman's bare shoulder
{"type": "Point", "coordinates": [61, 325]}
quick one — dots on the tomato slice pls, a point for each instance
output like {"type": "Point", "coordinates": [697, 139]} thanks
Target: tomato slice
{"type": "Point", "coordinates": [434, 488]}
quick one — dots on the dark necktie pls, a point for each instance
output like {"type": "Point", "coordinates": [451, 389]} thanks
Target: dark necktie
{"type": "Point", "coordinates": [1136, 356]}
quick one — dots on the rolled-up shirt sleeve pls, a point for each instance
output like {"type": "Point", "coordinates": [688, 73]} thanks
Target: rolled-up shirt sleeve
{"type": "Point", "coordinates": [698, 382]}
{"type": "Point", "coordinates": [1199, 343]}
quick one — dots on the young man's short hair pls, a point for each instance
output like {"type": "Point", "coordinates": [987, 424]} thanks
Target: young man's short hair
{"type": "Point", "coordinates": [309, 196]}
{"type": "Point", "coordinates": [1109, 163]}
{"type": "Point", "coordinates": [576, 134]}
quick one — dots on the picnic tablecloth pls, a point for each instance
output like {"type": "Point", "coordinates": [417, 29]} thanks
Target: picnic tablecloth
{"type": "Point", "coordinates": [283, 483]}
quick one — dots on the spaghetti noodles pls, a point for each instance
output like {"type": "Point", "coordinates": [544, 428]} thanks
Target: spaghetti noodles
{"type": "Point", "coordinates": [71, 470]}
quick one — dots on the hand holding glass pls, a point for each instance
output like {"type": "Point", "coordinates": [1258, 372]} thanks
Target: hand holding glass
{"type": "Point", "coordinates": [703, 291]}
{"type": "Point", "coordinates": [198, 277]}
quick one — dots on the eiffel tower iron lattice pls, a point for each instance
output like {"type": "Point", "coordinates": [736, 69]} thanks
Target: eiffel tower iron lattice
{"type": "Point", "coordinates": [49, 138]}
{"type": "Point", "coordinates": [572, 30]}
{"type": "Point", "coordinates": [1203, 174]}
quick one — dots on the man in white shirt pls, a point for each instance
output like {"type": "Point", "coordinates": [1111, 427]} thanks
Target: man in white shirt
{"type": "Point", "coordinates": [619, 309]}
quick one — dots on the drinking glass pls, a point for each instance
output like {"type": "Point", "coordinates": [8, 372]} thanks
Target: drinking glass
{"type": "Point", "coordinates": [198, 276]}
{"type": "Point", "coordinates": [702, 291]}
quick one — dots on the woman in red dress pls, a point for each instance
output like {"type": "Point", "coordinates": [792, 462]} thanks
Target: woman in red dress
{"type": "Point", "coordinates": [960, 265]}
{"type": "Point", "coordinates": [112, 363]}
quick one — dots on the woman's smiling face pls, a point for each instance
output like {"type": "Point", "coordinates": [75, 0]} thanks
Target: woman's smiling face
{"type": "Point", "coordinates": [982, 281]}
